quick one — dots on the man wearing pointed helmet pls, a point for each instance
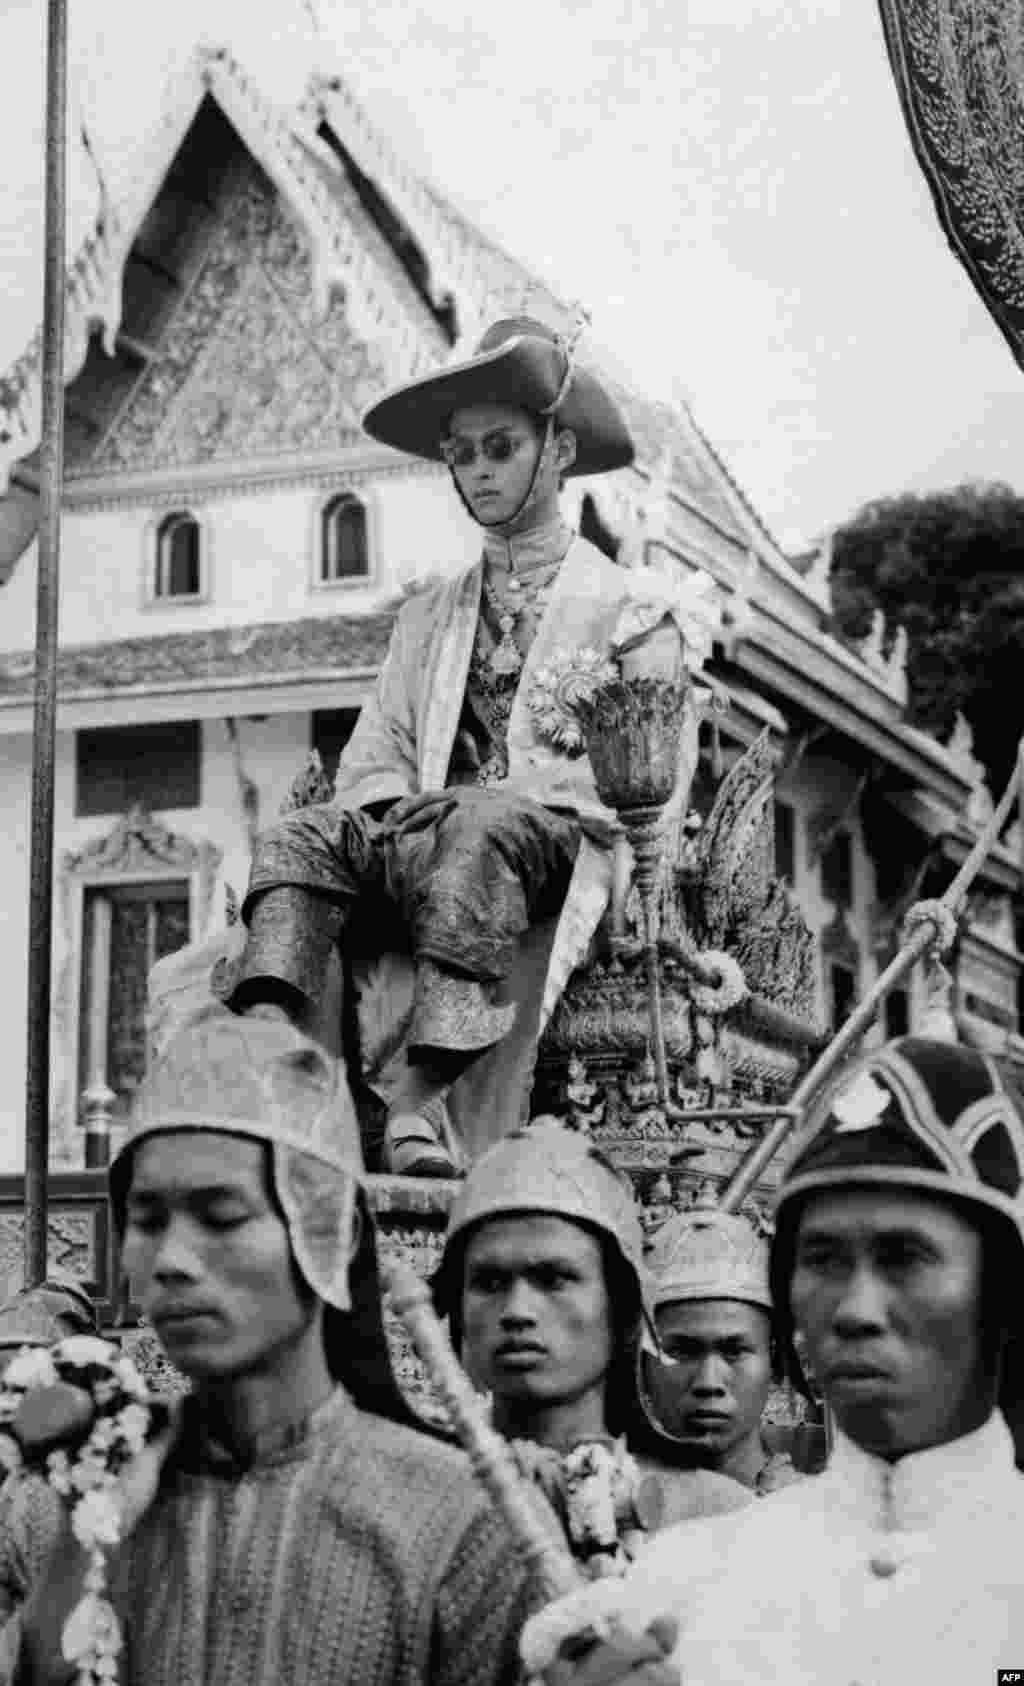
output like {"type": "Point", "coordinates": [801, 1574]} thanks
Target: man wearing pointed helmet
{"type": "Point", "coordinates": [542, 1282]}
{"type": "Point", "coordinates": [898, 1258]}
{"type": "Point", "coordinates": [300, 1529]}
{"type": "Point", "coordinates": [707, 1385]}
{"type": "Point", "coordinates": [466, 860]}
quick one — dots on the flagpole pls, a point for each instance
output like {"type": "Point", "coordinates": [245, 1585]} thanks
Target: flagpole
{"type": "Point", "coordinates": [51, 473]}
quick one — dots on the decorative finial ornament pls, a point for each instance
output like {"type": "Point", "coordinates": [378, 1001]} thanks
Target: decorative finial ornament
{"type": "Point", "coordinates": [567, 343]}
{"type": "Point", "coordinates": [861, 1104]}
{"type": "Point", "coordinates": [938, 1020]}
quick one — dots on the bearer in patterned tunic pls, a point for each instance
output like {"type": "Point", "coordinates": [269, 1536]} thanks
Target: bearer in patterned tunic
{"type": "Point", "coordinates": [707, 1385]}
{"type": "Point", "coordinates": [300, 1531]}
{"type": "Point", "coordinates": [465, 861]}
{"type": "Point", "coordinates": [541, 1280]}
{"type": "Point", "coordinates": [899, 1258]}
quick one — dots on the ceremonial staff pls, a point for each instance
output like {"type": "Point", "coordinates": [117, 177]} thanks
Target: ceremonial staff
{"type": "Point", "coordinates": [51, 473]}
{"type": "Point", "coordinates": [492, 1460]}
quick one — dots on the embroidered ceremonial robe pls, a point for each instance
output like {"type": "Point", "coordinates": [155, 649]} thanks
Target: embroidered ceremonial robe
{"type": "Point", "coordinates": [403, 745]}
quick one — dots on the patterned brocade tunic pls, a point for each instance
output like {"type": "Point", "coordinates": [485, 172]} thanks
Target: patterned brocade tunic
{"type": "Point", "coordinates": [357, 1553]}
{"type": "Point", "coordinates": [521, 573]}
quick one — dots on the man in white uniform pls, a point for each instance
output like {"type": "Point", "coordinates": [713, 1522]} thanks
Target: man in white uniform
{"type": "Point", "coordinates": [899, 1260]}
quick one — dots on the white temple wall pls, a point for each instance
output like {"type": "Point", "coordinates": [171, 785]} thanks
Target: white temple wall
{"type": "Point", "coordinates": [260, 560]}
{"type": "Point", "coordinates": [272, 750]}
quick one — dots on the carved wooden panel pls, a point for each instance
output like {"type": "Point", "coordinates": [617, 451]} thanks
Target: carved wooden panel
{"type": "Point", "coordinates": [246, 368]}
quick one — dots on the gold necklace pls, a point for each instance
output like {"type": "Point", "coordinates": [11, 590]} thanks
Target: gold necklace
{"type": "Point", "coordinates": [506, 658]}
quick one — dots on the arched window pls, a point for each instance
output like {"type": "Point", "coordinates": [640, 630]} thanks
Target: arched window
{"type": "Point", "coordinates": [177, 555]}
{"type": "Point", "coordinates": [344, 552]}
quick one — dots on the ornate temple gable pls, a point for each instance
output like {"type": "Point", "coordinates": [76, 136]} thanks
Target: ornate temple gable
{"type": "Point", "coordinates": [385, 325]}
{"type": "Point", "coordinates": [245, 368]}
{"type": "Point", "coordinates": [341, 266]}
{"type": "Point", "coordinates": [452, 267]}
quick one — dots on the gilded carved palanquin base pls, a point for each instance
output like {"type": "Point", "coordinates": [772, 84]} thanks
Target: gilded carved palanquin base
{"type": "Point", "coordinates": [725, 1055]}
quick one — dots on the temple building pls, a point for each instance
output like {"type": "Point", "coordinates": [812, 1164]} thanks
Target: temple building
{"type": "Point", "coordinates": [234, 549]}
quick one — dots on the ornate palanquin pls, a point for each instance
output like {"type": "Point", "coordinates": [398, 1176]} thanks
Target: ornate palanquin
{"type": "Point", "coordinates": [730, 1064]}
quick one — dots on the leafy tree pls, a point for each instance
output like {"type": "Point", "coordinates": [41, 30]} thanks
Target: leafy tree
{"type": "Point", "coordinates": [950, 567]}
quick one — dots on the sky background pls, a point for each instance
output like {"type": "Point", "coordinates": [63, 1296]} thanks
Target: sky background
{"type": "Point", "coordinates": [727, 184]}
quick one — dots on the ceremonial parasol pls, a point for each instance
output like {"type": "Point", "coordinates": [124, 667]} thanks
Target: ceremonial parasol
{"type": "Point", "coordinates": [959, 69]}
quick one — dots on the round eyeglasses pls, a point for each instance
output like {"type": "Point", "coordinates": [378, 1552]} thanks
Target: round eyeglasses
{"type": "Point", "coordinates": [499, 446]}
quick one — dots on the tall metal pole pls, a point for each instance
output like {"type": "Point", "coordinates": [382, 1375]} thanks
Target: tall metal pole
{"type": "Point", "coordinates": [51, 474]}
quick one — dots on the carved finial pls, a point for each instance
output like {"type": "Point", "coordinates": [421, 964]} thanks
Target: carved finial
{"type": "Point", "coordinates": [819, 574]}
{"type": "Point", "coordinates": [960, 745]}
{"type": "Point", "coordinates": [870, 648]}
{"type": "Point", "coordinates": [898, 653]}
{"type": "Point", "coordinates": [937, 1021]}
{"type": "Point", "coordinates": [525, 302]}
{"type": "Point", "coordinates": [579, 321]}
{"type": "Point", "coordinates": [896, 667]}
{"type": "Point", "coordinates": [568, 341]}
{"type": "Point", "coordinates": [980, 806]}
{"type": "Point", "coordinates": [960, 742]}
{"type": "Point", "coordinates": [661, 1193]}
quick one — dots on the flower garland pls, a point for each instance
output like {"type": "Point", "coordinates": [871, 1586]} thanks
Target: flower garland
{"type": "Point", "coordinates": [603, 1501]}
{"type": "Point", "coordinates": [558, 689]}
{"type": "Point", "coordinates": [604, 1511]}
{"type": "Point", "coordinates": [83, 1393]}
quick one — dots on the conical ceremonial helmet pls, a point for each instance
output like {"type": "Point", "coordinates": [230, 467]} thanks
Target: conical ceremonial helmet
{"type": "Point", "coordinates": [705, 1254]}
{"type": "Point", "coordinates": [550, 1169]}
{"type": "Point", "coordinates": [262, 1079]}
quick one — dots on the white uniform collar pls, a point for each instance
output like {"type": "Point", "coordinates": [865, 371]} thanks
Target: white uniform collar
{"type": "Point", "coordinates": [944, 1483]}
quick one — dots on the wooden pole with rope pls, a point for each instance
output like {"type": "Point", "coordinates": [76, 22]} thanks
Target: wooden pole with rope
{"type": "Point", "coordinates": [926, 933]}
{"type": "Point", "coordinates": [51, 474]}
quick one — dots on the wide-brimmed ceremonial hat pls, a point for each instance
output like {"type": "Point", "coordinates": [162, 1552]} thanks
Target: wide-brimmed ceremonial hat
{"type": "Point", "coordinates": [929, 1117]}
{"type": "Point", "coordinates": [519, 362]}
{"type": "Point", "coordinates": [261, 1079]}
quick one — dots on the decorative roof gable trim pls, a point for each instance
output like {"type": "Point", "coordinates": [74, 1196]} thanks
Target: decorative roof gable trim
{"type": "Point", "coordinates": [94, 282]}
